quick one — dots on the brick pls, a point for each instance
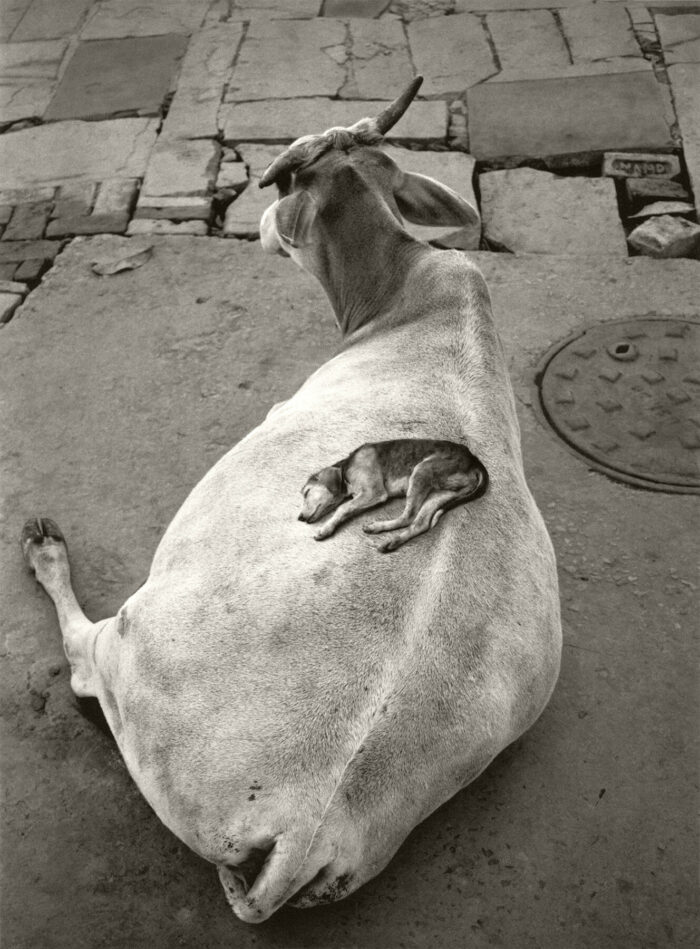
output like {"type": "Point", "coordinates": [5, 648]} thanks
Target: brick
{"type": "Point", "coordinates": [664, 207]}
{"type": "Point", "coordinates": [90, 224]}
{"type": "Point", "coordinates": [7, 271]}
{"type": "Point", "coordinates": [28, 222]}
{"type": "Point", "coordinates": [115, 18]}
{"type": "Point", "coordinates": [200, 87]}
{"type": "Point", "coordinates": [554, 117]}
{"type": "Point", "coordinates": [453, 169]}
{"type": "Point", "coordinates": [14, 196]}
{"type": "Point", "coordinates": [685, 82]}
{"type": "Point", "coordinates": [17, 251]}
{"type": "Point", "coordinates": [11, 286]}
{"type": "Point", "coordinates": [666, 236]}
{"type": "Point", "coordinates": [181, 167]}
{"type": "Point", "coordinates": [288, 59]}
{"type": "Point", "coordinates": [74, 199]}
{"type": "Point", "coordinates": [54, 153]}
{"type": "Point", "coordinates": [526, 39]}
{"type": "Point", "coordinates": [8, 304]}
{"type": "Point", "coordinates": [143, 226]}
{"type": "Point", "coordinates": [640, 165]}
{"type": "Point", "coordinates": [355, 8]}
{"type": "Point", "coordinates": [380, 59]}
{"type": "Point", "coordinates": [639, 189]}
{"type": "Point", "coordinates": [680, 37]}
{"type": "Point", "coordinates": [31, 270]}
{"type": "Point", "coordinates": [599, 31]}
{"type": "Point", "coordinates": [528, 211]}
{"type": "Point", "coordinates": [452, 53]}
{"type": "Point", "coordinates": [275, 9]}
{"type": "Point", "coordinates": [282, 120]}
{"type": "Point", "coordinates": [182, 208]}
{"type": "Point", "coordinates": [115, 197]}
{"type": "Point", "coordinates": [106, 77]}
{"type": "Point", "coordinates": [47, 19]}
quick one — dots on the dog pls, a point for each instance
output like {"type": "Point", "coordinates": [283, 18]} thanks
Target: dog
{"type": "Point", "coordinates": [433, 476]}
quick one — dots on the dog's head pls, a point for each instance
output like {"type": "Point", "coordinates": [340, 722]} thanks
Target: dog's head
{"type": "Point", "coordinates": [323, 492]}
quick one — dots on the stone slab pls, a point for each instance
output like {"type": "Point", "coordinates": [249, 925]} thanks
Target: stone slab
{"type": "Point", "coordinates": [146, 379]}
{"type": "Point", "coordinates": [452, 53]}
{"type": "Point", "coordinates": [680, 37]}
{"type": "Point", "coordinates": [113, 18]}
{"type": "Point", "coordinates": [275, 9]}
{"type": "Point", "coordinates": [600, 31]}
{"type": "Point", "coordinates": [542, 118]}
{"type": "Point", "coordinates": [17, 251]}
{"type": "Point", "coordinates": [284, 121]}
{"type": "Point", "coordinates": [12, 13]}
{"type": "Point", "coordinates": [242, 218]}
{"type": "Point", "coordinates": [46, 19]}
{"type": "Point", "coordinates": [181, 167]}
{"type": "Point", "coordinates": [28, 222]}
{"type": "Point", "coordinates": [526, 39]}
{"type": "Point", "coordinates": [534, 212]}
{"type": "Point", "coordinates": [454, 169]}
{"type": "Point", "coordinates": [288, 59]}
{"type": "Point", "coordinates": [664, 207]}
{"type": "Point", "coordinates": [142, 226]}
{"type": "Point", "coordinates": [354, 8]}
{"type": "Point", "coordinates": [10, 286]}
{"type": "Point", "coordinates": [64, 151]}
{"type": "Point", "coordinates": [205, 70]}
{"type": "Point", "coordinates": [8, 304]}
{"type": "Point", "coordinates": [640, 165]}
{"type": "Point", "coordinates": [115, 196]}
{"type": "Point", "coordinates": [28, 76]}
{"type": "Point", "coordinates": [108, 77]}
{"type": "Point", "coordinates": [182, 208]}
{"type": "Point", "coordinates": [380, 59]}
{"type": "Point", "coordinates": [606, 67]}
{"type": "Point", "coordinates": [232, 174]}
{"type": "Point", "coordinates": [639, 189]}
{"type": "Point", "coordinates": [685, 82]}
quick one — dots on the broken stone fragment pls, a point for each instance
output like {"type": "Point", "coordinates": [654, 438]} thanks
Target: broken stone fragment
{"type": "Point", "coordinates": [639, 189]}
{"type": "Point", "coordinates": [664, 207]}
{"type": "Point", "coordinates": [8, 304]}
{"type": "Point", "coordinates": [666, 236]}
{"type": "Point", "coordinates": [638, 165]}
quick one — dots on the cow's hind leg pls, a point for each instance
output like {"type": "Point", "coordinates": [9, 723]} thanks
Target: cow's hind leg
{"type": "Point", "coordinates": [46, 555]}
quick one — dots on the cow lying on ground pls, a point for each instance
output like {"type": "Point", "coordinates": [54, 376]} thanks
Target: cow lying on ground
{"type": "Point", "coordinates": [291, 710]}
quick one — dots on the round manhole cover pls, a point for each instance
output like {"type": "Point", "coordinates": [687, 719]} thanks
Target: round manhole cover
{"type": "Point", "coordinates": [625, 394]}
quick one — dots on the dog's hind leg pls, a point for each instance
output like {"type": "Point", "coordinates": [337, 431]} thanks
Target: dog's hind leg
{"type": "Point", "coordinates": [46, 555]}
{"type": "Point", "coordinates": [426, 518]}
{"type": "Point", "coordinates": [420, 484]}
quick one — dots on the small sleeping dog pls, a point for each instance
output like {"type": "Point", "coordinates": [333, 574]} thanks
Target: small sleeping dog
{"type": "Point", "coordinates": [433, 476]}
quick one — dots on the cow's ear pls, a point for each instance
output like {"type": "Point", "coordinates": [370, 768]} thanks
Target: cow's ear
{"type": "Point", "coordinates": [294, 216]}
{"type": "Point", "coordinates": [423, 200]}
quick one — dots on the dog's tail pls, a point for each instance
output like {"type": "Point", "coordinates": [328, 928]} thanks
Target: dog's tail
{"type": "Point", "coordinates": [480, 487]}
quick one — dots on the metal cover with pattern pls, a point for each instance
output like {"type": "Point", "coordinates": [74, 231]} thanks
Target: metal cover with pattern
{"type": "Point", "coordinates": [626, 395]}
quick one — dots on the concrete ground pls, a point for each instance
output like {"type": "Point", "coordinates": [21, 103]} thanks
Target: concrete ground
{"type": "Point", "coordinates": [121, 391]}
{"type": "Point", "coordinates": [146, 118]}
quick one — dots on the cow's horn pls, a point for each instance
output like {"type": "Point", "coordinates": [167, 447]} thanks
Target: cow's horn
{"type": "Point", "coordinates": [391, 115]}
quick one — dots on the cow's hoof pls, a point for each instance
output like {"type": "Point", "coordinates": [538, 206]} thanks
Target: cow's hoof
{"type": "Point", "coordinates": [38, 535]}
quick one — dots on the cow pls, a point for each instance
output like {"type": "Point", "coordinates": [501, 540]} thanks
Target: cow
{"type": "Point", "coordinates": [292, 710]}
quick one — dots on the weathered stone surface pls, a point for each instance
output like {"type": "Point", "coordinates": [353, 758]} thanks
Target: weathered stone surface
{"type": "Point", "coordinates": [664, 207]}
{"type": "Point", "coordinates": [15, 196]}
{"type": "Point", "coordinates": [74, 199]}
{"type": "Point", "coordinates": [89, 224]}
{"type": "Point", "coordinates": [113, 18]}
{"type": "Point", "coordinates": [453, 53]}
{"type": "Point", "coordinates": [680, 37]}
{"type": "Point", "coordinates": [286, 59]}
{"type": "Point", "coordinates": [257, 157]}
{"type": "Point", "coordinates": [28, 75]}
{"type": "Point", "coordinates": [182, 208]}
{"type": "Point", "coordinates": [563, 116]}
{"type": "Point", "coordinates": [528, 39]}
{"type": "Point", "coordinates": [528, 211]}
{"type": "Point", "coordinates": [205, 69]}
{"type": "Point", "coordinates": [275, 9]}
{"type": "Point", "coordinates": [641, 189]}
{"type": "Point", "coordinates": [28, 222]}
{"type": "Point", "coordinates": [600, 31]}
{"type": "Point", "coordinates": [666, 236]}
{"type": "Point", "coordinates": [283, 121]}
{"type": "Point", "coordinates": [639, 165]}
{"type": "Point", "coordinates": [454, 169]}
{"type": "Point", "coordinates": [115, 196]}
{"type": "Point", "coordinates": [685, 81]}
{"type": "Point", "coordinates": [105, 77]}
{"type": "Point", "coordinates": [11, 286]}
{"type": "Point", "coordinates": [78, 211]}
{"type": "Point", "coordinates": [17, 251]}
{"type": "Point", "coordinates": [12, 13]}
{"type": "Point", "coordinates": [46, 19]}
{"type": "Point", "coordinates": [178, 167]}
{"type": "Point", "coordinates": [243, 215]}
{"type": "Point", "coordinates": [8, 304]}
{"type": "Point", "coordinates": [380, 59]}
{"type": "Point", "coordinates": [63, 151]}
{"type": "Point", "coordinates": [31, 270]}
{"type": "Point", "coordinates": [354, 8]}
{"type": "Point", "coordinates": [143, 226]}
{"type": "Point", "coordinates": [232, 174]}
{"type": "Point", "coordinates": [605, 67]}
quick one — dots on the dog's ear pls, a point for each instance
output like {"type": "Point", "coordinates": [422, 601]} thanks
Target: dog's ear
{"type": "Point", "coordinates": [333, 480]}
{"type": "Point", "coordinates": [423, 200]}
{"type": "Point", "coordinates": [294, 216]}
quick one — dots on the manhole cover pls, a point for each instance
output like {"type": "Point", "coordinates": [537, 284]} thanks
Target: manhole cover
{"type": "Point", "coordinates": [625, 394]}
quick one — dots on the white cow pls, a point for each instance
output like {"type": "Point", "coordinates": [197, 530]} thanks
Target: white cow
{"type": "Point", "coordinates": [292, 709]}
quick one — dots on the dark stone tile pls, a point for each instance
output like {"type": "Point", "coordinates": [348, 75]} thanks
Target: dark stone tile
{"type": "Point", "coordinates": [108, 77]}
{"type": "Point", "coordinates": [367, 9]}
{"type": "Point", "coordinates": [28, 221]}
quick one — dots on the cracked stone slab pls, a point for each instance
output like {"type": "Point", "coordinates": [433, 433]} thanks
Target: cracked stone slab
{"type": "Point", "coordinates": [275, 9]}
{"type": "Point", "coordinates": [290, 58]}
{"type": "Point", "coordinates": [242, 218]}
{"type": "Point", "coordinates": [200, 87]}
{"type": "Point", "coordinates": [12, 13]}
{"type": "Point", "coordinates": [28, 77]}
{"type": "Point", "coordinates": [380, 59]}
{"type": "Point", "coordinates": [47, 19]}
{"type": "Point", "coordinates": [680, 37]}
{"type": "Point", "coordinates": [284, 120]}
{"type": "Point", "coordinates": [598, 32]}
{"type": "Point", "coordinates": [551, 117]}
{"type": "Point", "coordinates": [535, 212]}
{"type": "Point", "coordinates": [114, 18]}
{"type": "Point", "coordinates": [452, 53]}
{"type": "Point", "coordinates": [528, 39]}
{"type": "Point", "coordinates": [64, 151]}
{"type": "Point", "coordinates": [106, 77]}
{"type": "Point", "coordinates": [685, 82]}
{"type": "Point", "coordinates": [454, 169]}
{"type": "Point", "coordinates": [181, 167]}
